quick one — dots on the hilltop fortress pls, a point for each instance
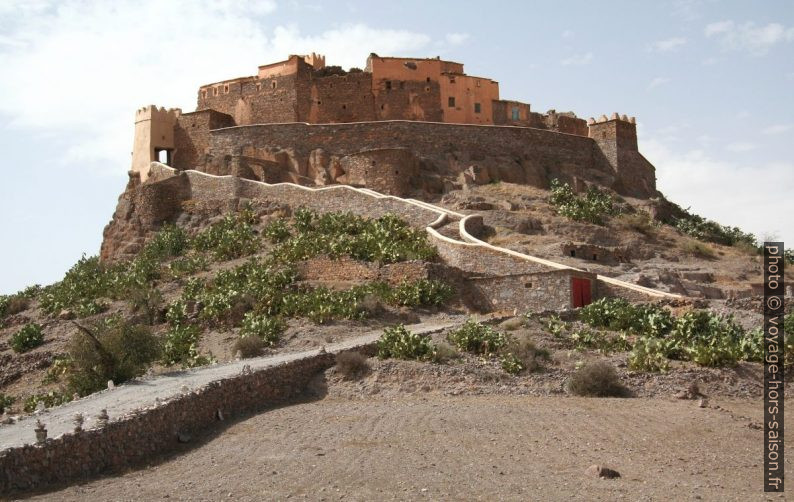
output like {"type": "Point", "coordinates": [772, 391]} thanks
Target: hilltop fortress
{"type": "Point", "coordinates": [399, 126]}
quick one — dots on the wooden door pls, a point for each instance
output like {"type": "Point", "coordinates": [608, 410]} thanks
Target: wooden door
{"type": "Point", "coordinates": [580, 289]}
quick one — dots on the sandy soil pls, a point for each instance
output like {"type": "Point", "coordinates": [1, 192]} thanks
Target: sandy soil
{"type": "Point", "coordinates": [429, 446]}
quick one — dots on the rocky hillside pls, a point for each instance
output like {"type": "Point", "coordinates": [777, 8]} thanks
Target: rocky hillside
{"type": "Point", "coordinates": [239, 278]}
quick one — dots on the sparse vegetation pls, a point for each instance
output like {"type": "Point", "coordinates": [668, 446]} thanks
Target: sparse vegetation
{"type": "Point", "coordinates": [49, 399]}
{"type": "Point", "coordinates": [597, 379]}
{"type": "Point", "coordinates": [520, 354]}
{"type": "Point", "coordinates": [267, 329]}
{"type": "Point", "coordinates": [593, 207]}
{"type": "Point", "coordinates": [640, 221]}
{"type": "Point", "coordinates": [351, 365]}
{"type": "Point", "coordinates": [698, 250]}
{"type": "Point", "coordinates": [477, 338]}
{"type": "Point", "coordinates": [110, 350]}
{"type": "Point", "coordinates": [399, 343]}
{"type": "Point", "coordinates": [706, 230]}
{"type": "Point", "coordinates": [232, 237]}
{"type": "Point", "coordinates": [648, 355]}
{"type": "Point", "coordinates": [5, 402]}
{"type": "Point", "coordinates": [27, 338]}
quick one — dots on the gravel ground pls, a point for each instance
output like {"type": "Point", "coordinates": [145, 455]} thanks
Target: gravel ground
{"type": "Point", "coordinates": [429, 446]}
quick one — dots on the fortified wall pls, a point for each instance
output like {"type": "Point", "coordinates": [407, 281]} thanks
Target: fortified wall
{"type": "Point", "coordinates": [399, 126]}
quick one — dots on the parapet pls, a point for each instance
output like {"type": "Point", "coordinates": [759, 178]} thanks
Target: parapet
{"type": "Point", "coordinates": [615, 116]}
{"type": "Point", "coordinates": [152, 112]}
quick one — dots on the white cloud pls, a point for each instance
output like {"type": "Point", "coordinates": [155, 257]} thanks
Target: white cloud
{"type": "Point", "coordinates": [578, 59]}
{"type": "Point", "coordinates": [741, 146]}
{"type": "Point", "coordinates": [656, 82]}
{"type": "Point", "coordinates": [79, 70]}
{"type": "Point", "coordinates": [730, 192]}
{"type": "Point", "coordinates": [668, 45]}
{"type": "Point", "coordinates": [456, 38]}
{"type": "Point", "coordinates": [748, 36]}
{"type": "Point", "coordinates": [777, 129]}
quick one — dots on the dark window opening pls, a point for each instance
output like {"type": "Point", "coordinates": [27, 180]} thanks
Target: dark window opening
{"type": "Point", "coordinates": [396, 172]}
{"type": "Point", "coordinates": [382, 107]}
{"type": "Point", "coordinates": [515, 114]}
{"type": "Point", "coordinates": [428, 79]}
{"type": "Point", "coordinates": [373, 162]}
{"type": "Point", "coordinates": [273, 84]}
{"type": "Point", "coordinates": [388, 84]}
{"type": "Point", "coordinates": [319, 102]}
{"type": "Point", "coordinates": [595, 257]}
{"type": "Point", "coordinates": [573, 253]}
{"type": "Point", "coordinates": [528, 285]}
{"type": "Point", "coordinates": [451, 80]}
{"type": "Point", "coordinates": [476, 107]}
{"type": "Point", "coordinates": [226, 89]}
{"type": "Point", "coordinates": [427, 89]}
{"type": "Point", "coordinates": [402, 85]}
{"type": "Point", "coordinates": [344, 107]}
{"type": "Point", "coordinates": [451, 102]}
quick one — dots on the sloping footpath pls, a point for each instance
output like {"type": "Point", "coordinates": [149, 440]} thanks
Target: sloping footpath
{"type": "Point", "coordinates": [150, 416]}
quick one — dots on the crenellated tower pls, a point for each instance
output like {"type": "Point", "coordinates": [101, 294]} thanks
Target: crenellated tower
{"type": "Point", "coordinates": [154, 137]}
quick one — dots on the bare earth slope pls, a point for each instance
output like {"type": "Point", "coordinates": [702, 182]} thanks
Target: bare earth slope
{"type": "Point", "coordinates": [429, 446]}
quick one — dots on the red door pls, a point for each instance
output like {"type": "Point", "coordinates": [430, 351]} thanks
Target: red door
{"type": "Point", "coordinates": [581, 292]}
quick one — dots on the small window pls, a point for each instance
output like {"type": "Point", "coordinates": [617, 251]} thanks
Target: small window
{"type": "Point", "coordinates": [258, 87]}
{"type": "Point", "coordinates": [515, 115]}
{"type": "Point", "coordinates": [273, 84]}
{"type": "Point", "coordinates": [476, 107]}
{"type": "Point", "coordinates": [214, 91]}
{"type": "Point", "coordinates": [427, 89]}
{"type": "Point", "coordinates": [428, 79]}
{"type": "Point", "coordinates": [226, 89]}
{"type": "Point", "coordinates": [388, 85]}
{"type": "Point", "coordinates": [573, 253]}
{"type": "Point", "coordinates": [451, 102]}
{"type": "Point", "coordinates": [382, 107]}
{"type": "Point", "coordinates": [595, 257]}
{"type": "Point", "coordinates": [344, 107]}
{"type": "Point", "coordinates": [528, 285]}
{"type": "Point", "coordinates": [319, 102]}
{"type": "Point", "coordinates": [451, 80]}
{"type": "Point", "coordinates": [402, 84]}
{"type": "Point", "coordinates": [204, 94]}
{"type": "Point", "coordinates": [477, 83]}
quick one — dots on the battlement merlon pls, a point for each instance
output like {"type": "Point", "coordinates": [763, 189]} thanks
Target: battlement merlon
{"type": "Point", "coordinates": [160, 114]}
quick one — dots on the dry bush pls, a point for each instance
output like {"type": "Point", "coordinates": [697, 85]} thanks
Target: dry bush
{"type": "Point", "coordinates": [597, 379]}
{"type": "Point", "coordinates": [17, 304]}
{"type": "Point", "coordinates": [525, 352]}
{"type": "Point", "coordinates": [445, 352]}
{"type": "Point", "coordinates": [639, 222]}
{"type": "Point", "coordinates": [698, 249]}
{"type": "Point", "coordinates": [249, 346]}
{"type": "Point", "coordinates": [352, 365]}
{"type": "Point", "coordinates": [512, 324]}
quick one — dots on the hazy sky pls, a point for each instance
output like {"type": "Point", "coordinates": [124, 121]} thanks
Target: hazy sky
{"type": "Point", "coordinates": [710, 82]}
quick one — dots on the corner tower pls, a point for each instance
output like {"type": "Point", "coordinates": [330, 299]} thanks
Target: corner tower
{"type": "Point", "coordinates": [154, 137]}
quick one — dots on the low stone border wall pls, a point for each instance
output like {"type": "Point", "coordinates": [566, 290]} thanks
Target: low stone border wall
{"type": "Point", "coordinates": [134, 438]}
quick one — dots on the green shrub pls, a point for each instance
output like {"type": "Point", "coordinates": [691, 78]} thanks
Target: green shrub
{"type": "Point", "coordinates": [181, 346]}
{"type": "Point", "coordinates": [555, 326]}
{"type": "Point", "coordinates": [603, 342]}
{"type": "Point", "coordinates": [619, 314]}
{"type": "Point", "coordinates": [5, 402]}
{"type": "Point", "coordinates": [512, 364]}
{"type": "Point", "coordinates": [420, 293]}
{"type": "Point", "coordinates": [50, 399]}
{"type": "Point", "coordinates": [351, 365]}
{"type": "Point", "coordinates": [277, 231]}
{"type": "Point", "coordinates": [170, 241]}
{"type": "Point", "coordinates": [187, 265]}
{"type": "Point", "coordinates": [267, 329]}
{"type": "Point", "coordinates": [705, 338]}
{"type": "Point", "coordinates": [387, 239]}
{"type": "Point", "coordinates": [232, 237]}
{"type": "Point", "coordinates": [79, 290]}
{"type": "Point", "coordinates": [111, 350]}
{"type": "Point", "coordinates": [710, 231]}
{"type": "Point", "coordinates": [322, 305]}
{"type": "Point", "coordinates": [648, 354]}
{"type": "Point", "coordinates": [27, 338]}
{"type": "Point", "coordinates": [399, 343]}
{"type": "Point", "coordinates": [477, 338]}
{"type": "Point", "coordinates": [597, 379]}
{"type": "Point", "coordinates": [593, 207]}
